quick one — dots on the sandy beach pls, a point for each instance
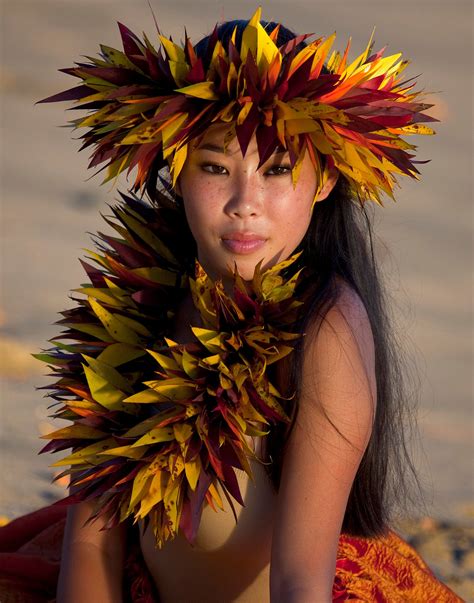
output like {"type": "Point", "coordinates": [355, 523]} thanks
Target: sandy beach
{"type": "Point", "coordinates": [49, 205]}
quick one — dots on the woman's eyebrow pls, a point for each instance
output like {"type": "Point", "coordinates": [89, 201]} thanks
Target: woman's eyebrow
{"type": "Point", "coordinates": [209, 146]}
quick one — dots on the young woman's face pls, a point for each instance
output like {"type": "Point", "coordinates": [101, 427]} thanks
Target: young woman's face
{"type": "Point", "coordinates": [238, 214]}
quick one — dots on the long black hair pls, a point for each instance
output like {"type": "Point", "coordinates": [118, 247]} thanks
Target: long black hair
{"type": "Point", "coordinates": [339, 244]}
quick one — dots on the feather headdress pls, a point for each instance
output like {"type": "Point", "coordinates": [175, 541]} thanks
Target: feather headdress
{"type": "Point", "coordinates": [146, 105]}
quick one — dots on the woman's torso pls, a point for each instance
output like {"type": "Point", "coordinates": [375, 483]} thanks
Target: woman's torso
{"type": "Point", "coordinates": [230, 561]}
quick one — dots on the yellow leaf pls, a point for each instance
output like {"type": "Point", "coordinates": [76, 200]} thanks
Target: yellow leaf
{"type": "Point", "coordinates": [150, 423]}
{"type": "Point", "coordinates": [179, 157]}
{"type": "Point", "coordinates": [173, 389]}
{"type": "Point", "coordinates": [193, 470]}
{"type": "Point", "coordinates": [204, 90]}
{"type": "Point", "coordinates": [169, 364]}
{"type": "Point", "coordinates": [179, 71]}
{"type": "Point", "coordinates": [155, 436]}
{"type": "Point", "coordinates": [250, 413]}
{"type": "Point", "coordinates": [135, 325]}
{"type": "Point", "coordinates": [225, 382]}
{"type": "Point", "coordinates": [249, 36]}
{"type": "Point", "coordinates": [102, 295]}
{"type": "Point", "coordinates": [155, 493]}
{"type": "Point", "coordinates": [190, 365]}
{"type": "Point", "coordinates": [98, 117]}
{"type": "Point", "coordinates": [75, 431]}
{"type": "Point", "coordinates": [125, 451]}
{"type": "Point", "coordinates": [159, 275]}
{"type": "Point", "coordinates": [255, 432]}
{"type": "Point", "coordinates": [244, 112]}
{"type": "Point", "coordinates": [120, 353]}
{"type": "Point", "coordinates": [182, 431]}
{"type": "Point", "coordinates": [175, 464]}
{"type": "Point", "coordinates": [216, 496]}
{"type": "Point", "coordinates": [210, 361]}
{"type": "Point", "coordinates": [385, 66]}
{"type": "Point", "coordinates": [174, 52]}
{"type": "Point", "coordinates": [159, 462]}
{"type": "Point", "coordinates": [144, 133]}
{"type": "Point", "coordinates": [417, 129]}
{"type": "Point", "coordinates": [83, 405]}
{"type": "Point", "coordinates": [169, 131]}
{"type": "Point", "coordinates": [140, 487]}
{"type": "Point", "coordinates": [211, 340]}
{"type": "Point", "coordinates": [359, 60]}
{"type": "Point", "coordinates": [146, 396]}
{"type": "Point", "coordinates": [172, 501]}
{"type": "Point", "coordinates": [200, 290]}
{"type": "Point", "coordinates": [191, 410]}
{"type": "Point", "coordinates": [94, 330]}
{"type": "Point", "coordinates": [116, 289]}
{"type": "Point", "coordinates": [282, 351]}
{"type": "Point", "coordinates": [150, 238]}
{"type": "Point", "coordinates": [87, 454]}
{"type": "Point", "coordinates": [103, 392]}
{"type": "Point", "coordinates": [117, 329]}
{"type": "Point", "coordinates": [117, 58]}
{"type": "Point", "coordinates": [110, 374]}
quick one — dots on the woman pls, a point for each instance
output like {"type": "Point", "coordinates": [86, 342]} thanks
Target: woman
{"type": "Point", "coordinates": [187, 380]}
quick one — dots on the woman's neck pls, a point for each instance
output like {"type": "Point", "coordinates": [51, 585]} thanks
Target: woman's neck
{"type": "Point", "coordinates": [186, 314]}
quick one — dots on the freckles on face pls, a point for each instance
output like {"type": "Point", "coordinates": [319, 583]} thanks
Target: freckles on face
{"type": "Point", "coordinates": [239, 214]}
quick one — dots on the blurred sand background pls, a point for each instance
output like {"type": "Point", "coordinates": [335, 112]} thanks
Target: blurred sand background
{"type": "Point", "coordinates": [47, 208]}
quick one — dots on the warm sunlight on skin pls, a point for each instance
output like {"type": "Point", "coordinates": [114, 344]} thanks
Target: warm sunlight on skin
{"type": "Point", "coordinates": [239, 214]}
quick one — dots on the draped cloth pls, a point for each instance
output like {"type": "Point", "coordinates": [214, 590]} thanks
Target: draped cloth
{"type": "Point", "coordinates": [382, 570]}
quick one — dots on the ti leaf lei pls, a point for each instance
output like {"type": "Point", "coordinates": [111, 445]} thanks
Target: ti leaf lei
{"type": "Point", "coordinates": [158, 426]}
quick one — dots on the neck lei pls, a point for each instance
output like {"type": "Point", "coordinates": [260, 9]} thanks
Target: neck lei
{"type": "Point", "coordinates": [158, 426]}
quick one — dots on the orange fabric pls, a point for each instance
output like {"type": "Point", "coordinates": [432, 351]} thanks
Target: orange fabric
{"type": "Point", "coordinates": [381, 570]}
{"type": "Point", "coordinates": [385, 570]}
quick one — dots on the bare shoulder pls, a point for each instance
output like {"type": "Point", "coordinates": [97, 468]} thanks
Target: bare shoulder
{"type": "Point", "coordinates": [339, 355]}
{"type": "Point", "coordinates": [348, 313]}
{"type": "Point", "coordinates": [345, 328]}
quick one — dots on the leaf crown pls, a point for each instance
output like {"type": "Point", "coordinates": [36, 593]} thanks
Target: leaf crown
{"type": "Point", "coordinates": [145, 105]}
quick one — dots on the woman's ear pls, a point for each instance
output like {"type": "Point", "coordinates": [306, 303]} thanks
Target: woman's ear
{"type": "Point", "coordinates": [330, 183]}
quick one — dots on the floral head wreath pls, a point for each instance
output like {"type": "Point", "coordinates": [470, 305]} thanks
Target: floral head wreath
{"type": "Point", "coordinates": [147, 105]}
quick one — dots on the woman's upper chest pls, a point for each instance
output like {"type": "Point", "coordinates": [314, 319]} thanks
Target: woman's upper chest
{"type": "Point", "coordinates": [219, 530]}
{"type": "Point", "coordinates": [229, 560]}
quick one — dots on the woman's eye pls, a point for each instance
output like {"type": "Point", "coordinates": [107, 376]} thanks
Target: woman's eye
{"type": "Point", "coordinates": [279, 170]}
{"type": "Point", "coordinates": [212, 168]}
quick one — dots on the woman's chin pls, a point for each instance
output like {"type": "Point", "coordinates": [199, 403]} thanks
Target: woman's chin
{"type": "Point", "coordinates": [244, 267]}
{"type": "Point", "coordinates": [245, 270]}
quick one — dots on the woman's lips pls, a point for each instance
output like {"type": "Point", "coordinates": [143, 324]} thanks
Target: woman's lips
{"type": "Point", "coordinates": [243, 243]}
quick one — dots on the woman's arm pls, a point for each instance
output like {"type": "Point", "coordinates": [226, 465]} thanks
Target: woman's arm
{"type": "Point", "coordinates": [92, 560]}
{"type": "Point", "coordinates": [338, 378]}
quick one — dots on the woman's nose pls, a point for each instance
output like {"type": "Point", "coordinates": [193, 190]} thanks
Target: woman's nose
{"type": "Point", "coordinates": [246, 198]}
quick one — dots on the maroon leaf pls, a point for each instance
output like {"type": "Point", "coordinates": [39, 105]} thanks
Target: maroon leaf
{"type": "Point", "coordinates": [245, 130]}
{"type": "Point", "coordinates": [232, 484]}
{"type": "Point", "coordinates": [70, 94]}
{"type": "Point", "coordinates": [192, 507]}
{"type": "Point", "coordinates": [196, 74]}
{"type": "Point", "coordinates": [131, 43]}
